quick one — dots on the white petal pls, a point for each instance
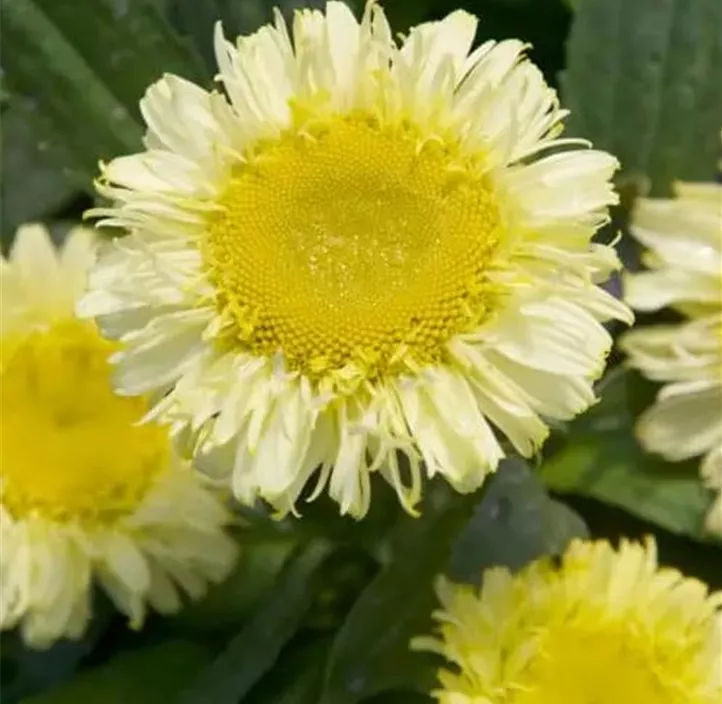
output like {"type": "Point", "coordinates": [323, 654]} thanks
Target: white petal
{"type": "Point", "coordinates": [571, 185]}
{"type": "Point", "coordinates": [554, 336]}
{"type": "Point", "coordinates": [683, 426]}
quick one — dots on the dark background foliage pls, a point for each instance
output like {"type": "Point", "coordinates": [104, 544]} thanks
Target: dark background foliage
{"type": "Point", "coordinates": [322, 610]}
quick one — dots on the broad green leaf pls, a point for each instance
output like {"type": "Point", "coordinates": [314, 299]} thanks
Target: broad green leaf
{"type": "Point", "coordinates": [509, 523]}
{"type": "Point", "coordinates": [147, 676]}
{"type": "Point", "coordinates": [250, 654]}
{"type": "Point", "coordinates": [33, 182]}
{"type": "Point", "coordinates": [81, 66]}
{"type": "Point", "coordinates": [601, 459]}
{"type": "Point", "coordinates": [515, 523]}
{"type": "Point", "coordinates": [643, 82]}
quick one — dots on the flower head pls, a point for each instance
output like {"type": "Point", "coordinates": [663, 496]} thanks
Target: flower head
{"type": "Point", "coordinates": [683, 237]}
{"type": "Point", "coordinates": [605, 626]}
{"type": "Point", "coordinates": [359, 249]}
{"type": "Point", "coordinates": [86, 492]}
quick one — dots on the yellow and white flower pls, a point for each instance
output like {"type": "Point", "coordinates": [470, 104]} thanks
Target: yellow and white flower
{"type": "Point", "coordinates": [607, 626]}
{"type": "Point", "coordinates": [86, 493]}
{"type": "Point", "coordinates": [683, 237]}
{"type": "Point", "coordinates": [360, 249]}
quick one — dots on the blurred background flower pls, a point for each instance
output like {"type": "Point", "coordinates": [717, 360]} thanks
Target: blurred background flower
{"type": "Point", "coordinates": [683, 237]}
{"type": "Point", "coordinates": [87, 493]}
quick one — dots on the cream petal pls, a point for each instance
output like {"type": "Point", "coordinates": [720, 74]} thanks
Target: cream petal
{"type": "Point", "coordinates": [162, 172]}
{"type": "Point", "coordinates": [653, 290]}
{"type": "Point", "coordinates": [464, 459]}
{"type": "Point", "coordinates": [185, 119]}
{"type": "Point", "coordinates": [349, 482]}
{"type": "Point", "coordinates": [33, 258]}
{"type": "Point", "coordinates": [572, 185]}
{"type": "Point", "coordinates": [161, 353]}
{"type": "Point", "coordinates": [78, 254]}
{"type": "Point", "coordinates": [558, 396]}
{"type": "Point", "coordinates": [432, 43]}
{"type": "Point", "coordinates": [342, 38]}
{"type": "Point", "coordinates": [564, 338]}
{"type": "Point", "coordinates": [683, 426]}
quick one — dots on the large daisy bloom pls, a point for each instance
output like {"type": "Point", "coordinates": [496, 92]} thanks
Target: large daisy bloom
{"type": "Point", "coordinates": [605, 626]}
{"type": "Point", "coordinates": [87, 494]}
{"type": "Point", "coordinates": [683, 237]}
{"type": "Point", "coordinates": [358, 249]}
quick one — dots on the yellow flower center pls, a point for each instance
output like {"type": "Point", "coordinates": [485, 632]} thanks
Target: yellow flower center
{"type": "Point", "coordinates": [354, 244]}
{"type": "Point", "coordinates": [602, 664]}
{"type": "Point", "coordinates": [70, 449]}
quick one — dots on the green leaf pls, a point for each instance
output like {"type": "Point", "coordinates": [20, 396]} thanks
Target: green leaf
{"type": "Point", "coordinates": [371, 652]}
{"type": "Point", "coordinates": [509, 523]}
{"type": "Point", "coordinates": [33, 182]}
{"type": "Point", "coordinates": [601, 459]}
{"type": "Point", "coordinates": [146, 676]}
{"type": "Point", "coordinates": [515, 523]}
{"type": "Point", "coordinates": [643, 82]}
{"type": "Point", "coordinates": [82, 67]}
{"type": "Point", "coordinates": [250, 654]}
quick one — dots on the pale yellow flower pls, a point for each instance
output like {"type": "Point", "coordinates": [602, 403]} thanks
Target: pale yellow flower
{"type": "Point", "coordinates": [683, 237]}
{"type": "Point", "coordinates": [358, 248]}
{"type": "Point", "coordinates": [86, 493]}
{"type": "Point", "coordinates": [605, 626]}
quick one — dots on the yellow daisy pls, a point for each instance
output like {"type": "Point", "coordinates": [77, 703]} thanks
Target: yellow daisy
{"type": "Point", "coordinates": [683, 237]}
{"type": "Point", "coordinates": [358, 248]}
{"type": "Point", "coordinates": [606, 626]}
{"type": "Point", "coordinates": [86, 493]}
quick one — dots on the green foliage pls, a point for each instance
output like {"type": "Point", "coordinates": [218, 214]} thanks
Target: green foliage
{"type": "Point", "coordinates": [33, 181]}
{"type": "Point", "coordinates": [508, 523]}
{"type": "Point", "coordinates": [601, 459]}
{"type": "Point", "coordinates": [643, 82]}
{"type": "Point", "coordinates": [81, 70]}
{"type": "Point", "coordinates": [253, 651]}
{"type": "Point", "coordinates": [146, 676]}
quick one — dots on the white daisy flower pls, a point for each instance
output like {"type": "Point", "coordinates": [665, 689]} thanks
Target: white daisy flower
{"type": "Point", "coordinates": [683, 236]}
{"type": "Point", "coordinates": [358, 248]}
{"type": "Point", "coordinates": [86, 492]}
